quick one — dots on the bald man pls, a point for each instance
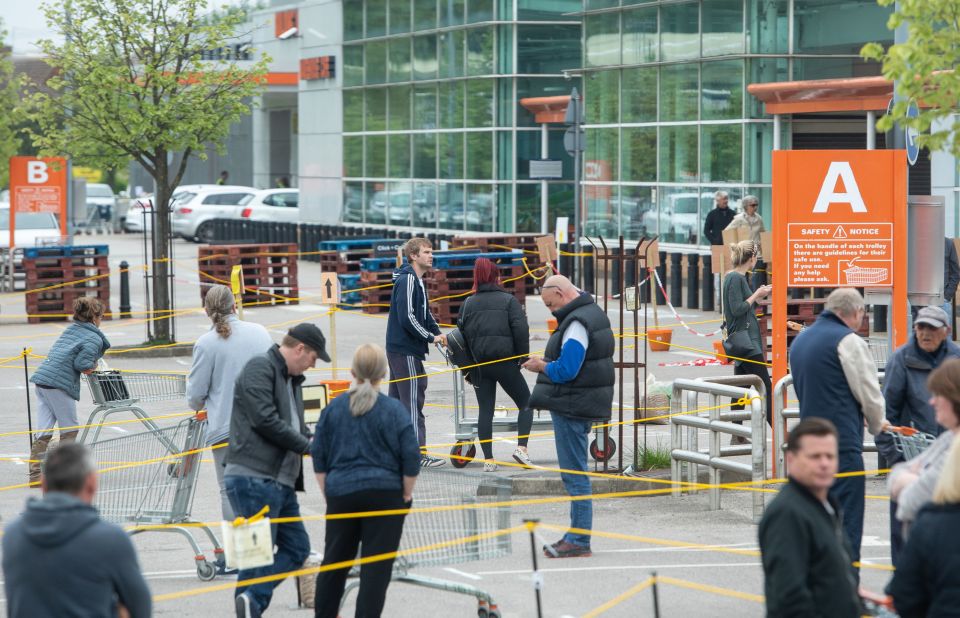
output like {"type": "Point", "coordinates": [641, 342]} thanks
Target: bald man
{"type": "Point", "coordinates": [576, 385]}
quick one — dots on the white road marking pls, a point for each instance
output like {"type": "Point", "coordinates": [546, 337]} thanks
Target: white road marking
{"type": "Point", "coordinates": [644, 567]}
{"type": "Point", "coordinates": [874, 541]}
{"type": "Point", "coordinates": [462, 574]}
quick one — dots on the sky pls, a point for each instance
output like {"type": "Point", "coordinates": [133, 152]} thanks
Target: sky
{"type": "Point", "coordinates": [24, 23]}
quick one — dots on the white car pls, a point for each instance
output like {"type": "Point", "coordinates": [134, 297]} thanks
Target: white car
{"type": "Point", "coordinates": [193, 212]}
{"type": "Point", "coordinates": [101, 202]}
{"type": "Point", "coordinates": [33, 229]}
{"type": "Point", "coordinates": [135, 222]}
{"type": "Point", "coordinates": [282, 205]}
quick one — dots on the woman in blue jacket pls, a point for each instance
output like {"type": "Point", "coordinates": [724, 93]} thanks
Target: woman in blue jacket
{"type": "Point", "coordinates": [57, 380]}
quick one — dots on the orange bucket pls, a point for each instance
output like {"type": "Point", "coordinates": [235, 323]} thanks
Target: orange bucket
{"type": "Point", "coordinates": [336, 387]}
{"type": "Point", "coordinates": [551, 324]}
{"type": "Point", "coordinates": [720, 354]}
{"type": "Point", "coordinates": [659, 339]}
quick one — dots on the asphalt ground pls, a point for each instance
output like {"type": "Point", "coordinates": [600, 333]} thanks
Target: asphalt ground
{"type": "Point", "coordinates": [711, 555]}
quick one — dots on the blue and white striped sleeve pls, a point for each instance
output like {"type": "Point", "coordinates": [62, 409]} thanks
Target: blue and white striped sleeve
{"type": "Point", "coordinates": [573, 350]}
{"type": "Point", "coordinates": [408, 318]}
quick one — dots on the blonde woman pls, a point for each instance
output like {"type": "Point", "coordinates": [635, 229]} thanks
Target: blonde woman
{"type": "Point", "coordinates": [57, 380]}
{"type": "Point", "coordinates": [739, 314]}
{"type": "Point", "coordinates": [927, 579]}
{"type": "Point", "coordinates": [218, 357]}
{"type": "Point", "coordinates": [366, 458]}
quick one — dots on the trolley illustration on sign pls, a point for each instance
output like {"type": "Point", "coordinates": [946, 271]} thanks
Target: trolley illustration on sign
{"type": "Point", "coordinates": [476, 505]}
{"type": "Point", "coordinates": [150, 478]}
{"type": "Point", "coordinates": [859, 275]}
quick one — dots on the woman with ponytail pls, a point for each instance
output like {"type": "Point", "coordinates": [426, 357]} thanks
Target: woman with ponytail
{"type": "Point", "coordinates": [366, 458]}
{"type": "Point", "coordinates": [218, 357]}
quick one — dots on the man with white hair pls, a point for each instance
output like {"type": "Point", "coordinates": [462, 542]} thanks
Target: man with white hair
{"type": "Point", "coordinates": [835, 377]}
{"type": "Point", "coordinates": [718, 219]}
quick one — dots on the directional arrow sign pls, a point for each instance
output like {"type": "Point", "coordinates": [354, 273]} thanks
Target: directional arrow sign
{"type": "Point", "coordinates": [913, 149]}
{"type": "Point", "coordinates": [329, 289]}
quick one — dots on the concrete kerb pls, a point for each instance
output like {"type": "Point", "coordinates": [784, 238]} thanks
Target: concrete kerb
{"type": "Point", "coordinates": [147, 351]}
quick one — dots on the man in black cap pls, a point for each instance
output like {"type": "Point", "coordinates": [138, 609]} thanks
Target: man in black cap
{"type": "Point", "coordinates": [268, 439]}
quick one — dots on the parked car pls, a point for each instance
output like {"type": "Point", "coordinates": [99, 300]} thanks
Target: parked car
{"type": "Point", "coordinates": [32, 228]}
{"type": "Point", "coordinates": [101, 203]}
{"type": "Point", "coordinates": [134, 221]}
{"type": "Point", "coordinates": [193, 212]}
{"type": "Point", "coordinates": [282, 205]}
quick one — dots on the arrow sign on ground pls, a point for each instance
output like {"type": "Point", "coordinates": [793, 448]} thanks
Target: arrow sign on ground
{"type": "Point", "coordinates": [329, 289]}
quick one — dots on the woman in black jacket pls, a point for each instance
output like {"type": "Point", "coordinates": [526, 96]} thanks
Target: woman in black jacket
{"type": "Point", "coordinates": [494, 327]}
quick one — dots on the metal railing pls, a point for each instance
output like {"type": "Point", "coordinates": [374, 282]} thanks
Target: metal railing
{"type": "Point", "coordinates": [718, 423]}
{"type": "Point", "coordinates": [783, 413]}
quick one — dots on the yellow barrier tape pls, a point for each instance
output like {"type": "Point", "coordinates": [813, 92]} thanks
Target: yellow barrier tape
{"type": "Point", "coordinates": [620, 598]}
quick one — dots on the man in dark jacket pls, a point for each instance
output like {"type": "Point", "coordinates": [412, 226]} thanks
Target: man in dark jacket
{"type": "Point", "coordinates": [264, 463]}
{"type": "Point", "coordinates": [951, 274]}
{"type": "Point", "coordinates": [61, 559]}
{"type": "Point", "coordinates": [576, 385]}
{"type": "Point", "coordinates": [410, 330]}
{"type": "Point", "coordinates": [805, 554]}
{"type": "Point", "coordinates": [718, 219]}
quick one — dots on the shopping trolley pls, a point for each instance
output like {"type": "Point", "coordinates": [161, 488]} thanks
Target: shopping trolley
{"type": "Point", "coordinates": [485, 502]}
{"type": "Point", "coordinates": [114, 392]}
{"type": "Point", "coordinates": [465, 427]}
{"type": "Point", "coordinates": [144, 482]}
{"type": "Point", "coordinates": [880, 349]}
{"type": "Point", "coordinates": [909, 441]}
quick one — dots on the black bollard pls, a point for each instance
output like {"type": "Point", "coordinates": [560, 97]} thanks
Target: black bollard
{"type": "Point", "coordinates": [879, 318]}
{"type": "Point", "coordinates": [676, 279]}
{"type": "Point", "coordinates": [662, 271]}
{"type": "Point", "coordinates": [124, 290]}
{"type": "Point", "coordinates": [693, 281]}
{"type": "Point", "coordinates": [707, 297]}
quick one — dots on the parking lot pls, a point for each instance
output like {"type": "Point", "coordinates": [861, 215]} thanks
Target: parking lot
{"type": "Point", "coordinates": [711, 554]}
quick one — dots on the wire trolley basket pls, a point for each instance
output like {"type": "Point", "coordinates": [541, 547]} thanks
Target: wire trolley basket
{"type": "Point", "coordinates": [150, 478]}
{"type": "Point", "coordinates": [112, 386]}
{"type": "Point", "coordinates": [860, 275]}
{"type": "Point", "coordinates": [880, 350]}
{"type": "Point", "coordinates": [909, 441]}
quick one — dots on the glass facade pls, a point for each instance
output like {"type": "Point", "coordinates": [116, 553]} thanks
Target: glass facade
{"type": "Point", "coordinates": [669, 120]}
{"type": "Point", "coordinates": [434, 136]}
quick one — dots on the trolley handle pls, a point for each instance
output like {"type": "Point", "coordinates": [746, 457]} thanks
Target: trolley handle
{"type": "Point", "coordinates": [903, 431]}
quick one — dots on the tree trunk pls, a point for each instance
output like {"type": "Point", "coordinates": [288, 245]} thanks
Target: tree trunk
{"type": "Point", "coordinates": [161, 266]}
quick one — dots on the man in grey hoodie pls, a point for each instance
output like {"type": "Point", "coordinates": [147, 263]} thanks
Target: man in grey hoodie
{"type": "Point", "coordinates": [61, 559]}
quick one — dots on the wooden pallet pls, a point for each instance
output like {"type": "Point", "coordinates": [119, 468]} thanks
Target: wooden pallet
{"type": "Point", "coordinates": [269, 270]}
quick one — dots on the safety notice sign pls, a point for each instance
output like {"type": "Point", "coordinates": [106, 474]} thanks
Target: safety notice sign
{"type": "Point", "coordinates": [840, 254]}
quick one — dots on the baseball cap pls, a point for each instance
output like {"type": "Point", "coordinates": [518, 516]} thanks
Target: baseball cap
{"type": "Point", "coordinates": [310, 335]}
{"type": "Point", "coordinates": [934, 316]}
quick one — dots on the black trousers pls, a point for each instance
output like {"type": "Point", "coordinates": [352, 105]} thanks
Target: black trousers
{"type": "Point", "coordinates": [506, 374]}
{"type": "Point", "coordinates": [373, 535]}
{"type": "Point", "coordinates": [756, 369]}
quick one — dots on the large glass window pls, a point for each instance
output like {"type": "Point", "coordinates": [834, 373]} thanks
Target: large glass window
{"type": "Point", "coordinates": [451, 54]}
{"type": "Point", "coordinates": [721, 151]}
{"type": "Point", "coordinates": [480, 213]}
{"type": "Point", "coordinates": [679, 92]}
{"type": "Point", "coordinates": [376, 147]}
{"type": "Point", "coordinates": [353, 202]}
{"type": "Point", "coordinates": [678, 154]}
{"type": "Point", "coordinates": [450, 206]}
{"type": "Point", "coordinates": [639, 154]}
{"type": "Point", "coordinates": [640, 40]}
{"type": "Point", "coordinates": [838, 26]}
{"type": "Point", "coordinates": [425, 107]}
{"type": "Point", "coordinates": [376, 17]}
{"type": "Point", "coordinates": [425, 204]}
{"type": "Point", "coordinates": [480, 103]}
{"type": "Point", "coordinates": [829, 68]}
{"type": "Point", "coordinates": [424, 14]}
{"type": "Point", "coordinates": [399, 108]}
{"type": "Point", "coordinates": [528, 208]}
{"type": "Point", "coordinates": [600, 161]}
{"type": "Point", "coordinates": [452, 102]}
{"type": "Point", "coordinates": [451, 155]}
{"type": "Point", "coordinates": [679, 215]}
{"type": "Point", "coordinates": [425, 155]}
{"type": "Point", "coordinates": [376, 53]}
{"type": "Point", "coordinates": [479, 10]}
{"type": "Point", "coordinates": [547, 49]}
{"type": "Point", "coordinates": [722, 27]}
{"type": "Point", "coordinates": [638, 98]}
{"type": "Point", "coordinates": [601, 204]}
{"type": "Point", "coordinates": [560, 199]}
{"type": "Point", "coordinates": [376, 112]}
{"type": "Point", "coordinates": [679, 31]}
{"type": "Point", "coordinates": [451, 12]}
{"type": "Point", "coordinates": [399, 155]}
{"type": "Point", "coordinates": [353, 24]}
{"type": "Point", "coordinates": [767, 23]}
{"type": "Point", "coordinates": [638, 213]}
{"type": "Point", "coordinates": [721, 92]}
{"type": "Point", "coordinates": [376, 208]}
{"type": "Point", "coordinates": [352, 111]}
{"type": "Point", "coordinates": [602, 98]}
{"type": "Point", "coordinates": [398, 60]}
{"type": "Point", "coordinates": [480, 155]}
{"type": "Point", "coordinates": [399, 16]}
{"type": "Point", "coordinates": [352, 65]}
{"type": "Point", "coordinates": [353, 156]}
{"type": "Point", "coordinates": [602, 4]}
{"type": "Point", "coordinates": [602, 38]}
{"type": "Point", "coordinates": [759, 137]}
{"type": "Point", "coordinates": [425, 57]}
{"type": "Point", "coordinates": [546, 10]}
{"type": "Point", "coordinates": [399, 209]}
{"type": "Point", "coordinates": [765, 70]}
{"type": "Point", "coordinates": [480, 43]}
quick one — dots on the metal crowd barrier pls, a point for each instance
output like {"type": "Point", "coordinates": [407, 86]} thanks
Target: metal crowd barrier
{"type": "Point", "coordinates": [783, 413]}
{"type": "Point", "coordinates": [685, 461]}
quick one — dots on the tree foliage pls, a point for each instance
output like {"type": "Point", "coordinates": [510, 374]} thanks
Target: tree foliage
{"type": "Point", "coordinates": [924, 69]}
{"type": "Point", "coordinates": [9, 111]}
{"type": "Point", "coordinates": [141, 80]}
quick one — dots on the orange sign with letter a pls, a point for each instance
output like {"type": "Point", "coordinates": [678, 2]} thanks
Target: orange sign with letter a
{"type": "Point", "coordinates": [839, 220]}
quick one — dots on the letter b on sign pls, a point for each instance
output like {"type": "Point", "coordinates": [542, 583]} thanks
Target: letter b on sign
{"type": "Point", "coordinates": [37, 172]}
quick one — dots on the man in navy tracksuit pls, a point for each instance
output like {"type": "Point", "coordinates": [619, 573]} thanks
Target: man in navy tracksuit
{"type": "Point", "coordinates": [410, 330]}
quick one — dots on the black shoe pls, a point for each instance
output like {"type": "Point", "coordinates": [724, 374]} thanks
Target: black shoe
{"type": "Point", "coordinates": [563, 549]}
{"type": "Point", "coordinates": [223, 570]}
{"type": "Point", "coordinates": [246, 606]}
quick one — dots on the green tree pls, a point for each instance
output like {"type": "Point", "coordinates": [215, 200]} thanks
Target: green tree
{"type": "Point", "coordinates": [144, 80]}
{"type": "Point", "coordinates": [9, 111]}
{"type": "Point", "coordinates": [923, 68]}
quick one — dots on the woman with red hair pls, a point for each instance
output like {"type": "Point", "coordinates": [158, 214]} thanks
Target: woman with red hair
{"type": "Point", "coordinates": [494, 327]}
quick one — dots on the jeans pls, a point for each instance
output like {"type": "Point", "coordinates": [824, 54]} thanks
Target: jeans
{"type": "Point", "coordinates": [850, 492]}
{"type": "Point", "coordinates": [247, 496]}
{"type": "Point", "coordinates": [571, 436]}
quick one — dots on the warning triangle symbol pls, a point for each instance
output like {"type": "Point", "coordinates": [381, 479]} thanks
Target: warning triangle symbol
{"type": "Point", "coordinates": [840, 233]}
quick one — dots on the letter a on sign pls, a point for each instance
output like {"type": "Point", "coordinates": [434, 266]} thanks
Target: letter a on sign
{"type": "Point", "coordinates": [828, 190]}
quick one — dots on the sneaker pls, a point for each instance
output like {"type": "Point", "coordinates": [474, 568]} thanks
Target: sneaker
{"type": "Point", "coordinates": [563, 549]}
{"type": "Point", "coordinates": [246, 607]}
{"type": "Point", "coordinates": [522, 458]}
{"type": "Point", "coordinates": [426, 461]}
{"type": "Point", "coordinates": [738, 440]}
{"type": "Point", "coordinates": [223, 570]}
{"type": "Point", "coordinates": [489, 466]}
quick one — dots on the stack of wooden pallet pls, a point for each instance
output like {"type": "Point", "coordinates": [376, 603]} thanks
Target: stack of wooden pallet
{"type": "Point", "coordinates": [527, 243]}
{"type": "Point", "coordinates": [450, 282]}
{"type": "Point", "coordinates": [342, 256]}
{"type": "Point", "coordinates": [57, 276]}
{"type": "Point", "coordinates": [269, 271]}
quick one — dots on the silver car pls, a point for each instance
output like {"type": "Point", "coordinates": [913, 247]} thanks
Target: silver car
{"type": "Point", "coordinates": [193, 212]}
{"type": "Point", "coordinates": [273, 205]}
